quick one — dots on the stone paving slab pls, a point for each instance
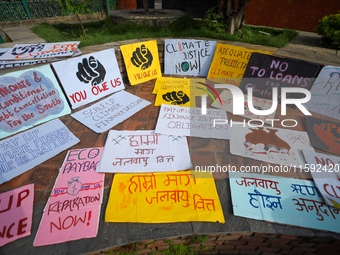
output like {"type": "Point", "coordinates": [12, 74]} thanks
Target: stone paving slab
{"type": "Point", "coordinates": [20, 35]}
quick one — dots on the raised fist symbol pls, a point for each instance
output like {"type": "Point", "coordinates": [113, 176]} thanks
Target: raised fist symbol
{"type": "Point", "coordinates": [91, 70]}
{"type": "Point", "coordinates": [142, 57]}
{"type": "Point", "coordinates": [176, 97]}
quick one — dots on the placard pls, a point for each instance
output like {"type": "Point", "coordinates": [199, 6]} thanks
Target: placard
{"type": "Point", "coordinates": [230, 62]}
{"type": "Point", "coordinates": [281, 200]}
{"type": "Point", "coordinates": [28, 149]}
{"type": "Point", "coordinates": [73, 209]}
{"type": "Point", "coordinates": [40, 50]}
{"type": "Point", "coordinates": [323, 134]}
{"type": "Point", "coordinates": [325, 93]}
{"type": "Point", "coordinates": [265, 72]}
{"type": "Point", "coordinates": [28, 98]}
{"type": "Point", "coordinates": [188, 56]}
{"type": "Point", "coordinates": [109, 112]}
{"type": "Point", "coordinates": [89, 77]}
{"type": "Point", "coordinates": [169, 83]}
{"type": "Point", "coordinates": [325, 170]}
{"type": "Point", "coordinates": [141, 61]}
{"type": "Point", "coordinates": [16, 210]}
{"type": "Point", "coordinates": [184, 121]}
{"type": "Point", "coordinates": [258, 103]}
{"type": "Point", "coordinates": [143, 151]}
{"type": "Point", "coordinates": [181, 97]}
{"type": "Point", "coordinates": [273, 145]}
{"type": "Point", "coordinates": [164, 197]}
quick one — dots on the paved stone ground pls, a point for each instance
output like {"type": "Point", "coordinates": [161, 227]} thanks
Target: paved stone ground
{"type": "Point", "coordinates": [201, 150]}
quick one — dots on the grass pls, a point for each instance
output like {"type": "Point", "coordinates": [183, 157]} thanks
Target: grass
{"type": "Point", "coordinates": [105, 31]}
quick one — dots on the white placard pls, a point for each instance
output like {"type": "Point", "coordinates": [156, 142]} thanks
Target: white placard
{"type": "Point", "coordinates": [325, 170]}
{"type": "Point", "coordinates": [188, 57]}
{"type": "Point", "coordinates": [185, 121]}
{"type": "Point", "coordinates": [40, 51]}
{"type": "Point", "coordinates": [28, 149]}
{"type": "Point", "coordinates": [273, 145]}
{"type": "Point", "coordinates": [110, 111]}
{"type": "Point", "coordinates": [144, 152]}
{"type": "Point", "coordinates": [89, 77]}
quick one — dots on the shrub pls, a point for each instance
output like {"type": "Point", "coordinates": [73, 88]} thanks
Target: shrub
{"type": "Point", "coordinates": [329, 29]}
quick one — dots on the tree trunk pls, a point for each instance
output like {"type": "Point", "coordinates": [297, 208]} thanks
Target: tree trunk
{"type": "Point", "coordinates": [81, 24]}
{"type": "Point", "coordinates": [146, 6]}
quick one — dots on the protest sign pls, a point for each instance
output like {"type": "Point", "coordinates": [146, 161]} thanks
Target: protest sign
{"type": "Point", "coordinates": [273, 145]}
{"type": "Point", "coordinates": [28, 149]}
{"type": "Point", "coordinates": [188, 57]}
{"type": "Point", "coordinates": [323, 134]}
{"type": "Point", "coordinates": [40, 50]}
{"type": "Point", "coordinates": [73, 209]}
{"type": "Point", "coordinates": [143, 151]}
{"type": "Point", "coordinates": [170, 96]}
{"type": "Point", "coordinates": [89, 77]}
{"type": "Point", "coordinates": [107, 113]}
{"type": "Point", "coordinates": [16, 210]}
{"type": "Point", "coordinates": [184, 121]}
{"type": "Point", "coordinates": [169, 83]}
{"type": "Point", "coordinates": [281, 200]}
{"type": "Point", "coordinates": [325, 170]}
{"type": "Point", "coordinates": [164, 197]}
{"type": "Point", "coordinates": [28, 98]}
{"type": "Point", "coordinates": [230, 62]}
{"type": "Point", "coordinates": [14, 63]}
{"type": "Point", "coordinates": [259, 103]}
{"type": "Point", "coordinates": [265, 72]}
{"type": "Point", "coordinates": [325, 93]}
{"type": "Point", "coordinates": [141, 61]}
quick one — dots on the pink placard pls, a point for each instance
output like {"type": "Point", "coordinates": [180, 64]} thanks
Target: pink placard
{"type": "Point", "coordinates": [73, 209]}
{"type": "Point", "coordinates": [16, 208]}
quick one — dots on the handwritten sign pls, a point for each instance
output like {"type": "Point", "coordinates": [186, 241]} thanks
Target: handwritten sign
{"type": "Point", "coordinates": [144, 151]}
{"type": "Point", "coordinates": [40, 50]}
{"type": "Point", "coordinates": [273, 145]}
{"type": "Point", "coordinates": [265, 72]}
{"type": "Point", "coordinates": [325, 93]}
{"type": "Point", "coordinates": [188, 57]}
{"type": "Point", "coordinates": [73, 209]}
{"type": "Point", "coordinates": [282, 200]}
{"type": "Point", "coordinates": [89, 77]}
{"type": "Point", "coordinates": [230, 62]}
{"type": "Point", "coordinates": [325, 170]}
{"type": "Point", "coordinates": [164, 197]}
{"type": "Point", "coordinates": [169, 83]}
{"type": "Point", "coordinates": [181, 97]}
{"type": "Point", "coordinates": [28, 149]}
{"type": "Point", "coordinates": [141, 61]}
{"type": "Point", "coordinates": [258, 103]}
{"type": "Point", "coordinates": [184, 121]}
{"type": "Point", "coordinates": [15, 63]}
{"type": "Point", "coordinates": [28, 98]}
{"type": "Point", "coordinates": [109, 112]}
{"type": "Point", "coordinates": [16, 210]}
{"type": "Point", "coordinates": [323, 134]}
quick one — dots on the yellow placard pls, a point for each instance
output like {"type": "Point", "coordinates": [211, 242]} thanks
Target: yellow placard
{"type": "Point", "coordinates": [141, 61]}
{"type": "Point", "coordinates": [175, 97]}
{"type": "Point", "coordinates": [164, 197]}
{"type": "Point", "coordinates": [230, 62]}
{"type": "Point", "coordinates": [171, 83]}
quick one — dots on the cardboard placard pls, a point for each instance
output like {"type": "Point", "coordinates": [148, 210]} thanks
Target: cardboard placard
{"type": "Point", "coordinates": [28, 98]}
{"type": "Point", "coordinates": [141, 61]}
{"type": "Point", "coordinates": [281, 200]}
{"type": "Point", "coordinates": [73, 209]}
{"type": "Point", "coordinates": [325, 170]}
{"type": "Point", "coordinates": [323, 134]}
{"type": "Point", "coordinates": [28, 149]}
{"type": "Point", "coordinates": [16, 211]}
{"type": "Point", "coordinates": [40, 51]}
{"type": "Point", "coordinates": [111, 111]}
{"type": "Point", "coordinates": [325, 93]}
{"type": "Point", "coordinates": [265, 72]}
{"type": "Point", "coordinates": [175, 97]}
{"type": "Point", "coordinates": [169, 83]}
{"type": "Point", "coordinates": [143, 151]}
{"type": "Point", "coordinates": [164, 197]}
{"type": "Point", "coordinates": [188, 57]}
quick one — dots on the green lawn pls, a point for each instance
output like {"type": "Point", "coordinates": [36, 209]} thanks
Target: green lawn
{"type": "Point", "coordinates": [106, 31]}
